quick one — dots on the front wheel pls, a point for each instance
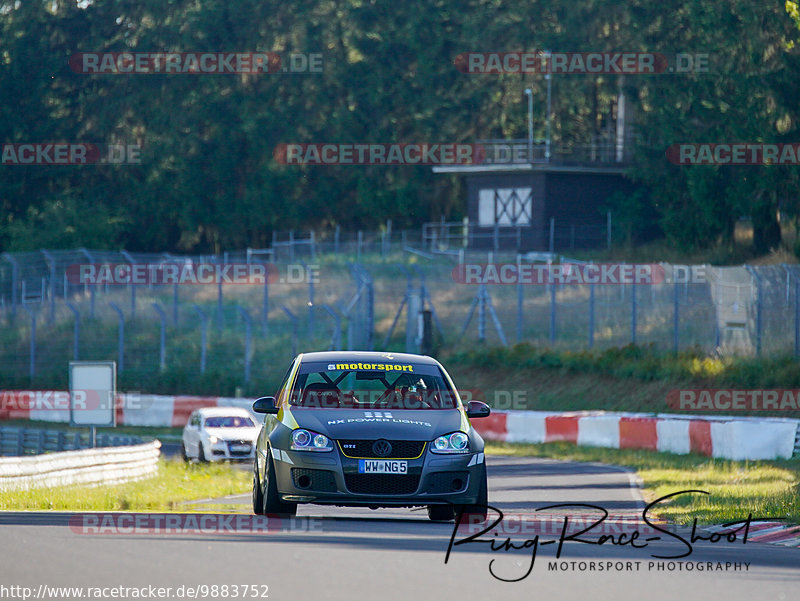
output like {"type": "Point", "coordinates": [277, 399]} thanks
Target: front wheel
{"type": "Point", "coordinates": [258, 493]}
{"type": "Point", "coordinates": [272, 499]}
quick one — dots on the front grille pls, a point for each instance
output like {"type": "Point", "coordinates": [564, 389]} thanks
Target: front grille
{"type": "Point", "coordinates": [401, 449]}
{"type": "Point", "coordinates": [319, 480]}
{"type": "Point", "coordinates": [232, 443]}
{"type": "Point", "coordinates": [447, 482]}
{"type": "Point", "coordinates": [382, 484]}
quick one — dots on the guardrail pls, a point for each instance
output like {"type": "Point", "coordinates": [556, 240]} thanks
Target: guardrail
{"type": "Point", "coordinates": [110, 465]}
{"type": "Point", "coordinates": [34, 441]}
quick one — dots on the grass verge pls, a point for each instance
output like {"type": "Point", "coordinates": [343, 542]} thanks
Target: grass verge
{"type": "Point", "coordinates": [175, 482]}
{"type": "Point", "coordinates": [767, 489]}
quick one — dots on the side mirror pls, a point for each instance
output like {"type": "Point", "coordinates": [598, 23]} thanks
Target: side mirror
{"type": "Point", "coordinates": [266, 404]}
{"type": "Point", "coordinates": [478, 409]}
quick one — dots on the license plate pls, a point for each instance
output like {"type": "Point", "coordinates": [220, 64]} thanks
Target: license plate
{"type": "Point", "coordinates": [381, 466]}
{"type": "Point", "coordinates": [240, 448]}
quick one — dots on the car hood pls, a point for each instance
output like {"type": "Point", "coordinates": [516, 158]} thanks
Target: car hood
{"type": "Point", "coordinates": [395, 425]}
{"type": "Point", "coordinates": [234, 433]}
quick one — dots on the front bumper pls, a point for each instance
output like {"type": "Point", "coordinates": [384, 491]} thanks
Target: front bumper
{"type": "Point", "coordinates": [333, 479]}
{"type": "Point", "coordinates": [230, 450]}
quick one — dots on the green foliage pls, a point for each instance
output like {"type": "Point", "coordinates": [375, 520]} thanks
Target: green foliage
{"type": "Point", "coordinates": [643, 363]}
{"type": "Point", "coordinates": [208, 179]}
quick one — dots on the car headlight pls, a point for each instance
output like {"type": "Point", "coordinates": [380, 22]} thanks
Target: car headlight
{"type": "Point", "coordinates": [457, 442]}
{"type": "Point", "coordinates": [304, 440]}
{"type": "Point", "coordinates": [213, 439]}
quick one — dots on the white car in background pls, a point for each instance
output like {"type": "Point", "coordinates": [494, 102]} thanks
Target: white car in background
{"type": "Point", "coordinates": [217, 433]}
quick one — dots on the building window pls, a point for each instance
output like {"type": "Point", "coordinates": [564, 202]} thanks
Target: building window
{"type": "Point", "coordinates": [505, 207]}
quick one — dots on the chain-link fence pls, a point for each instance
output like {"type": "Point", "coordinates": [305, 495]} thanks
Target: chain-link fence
{"type": "Point", "coordinates": [369, 295]}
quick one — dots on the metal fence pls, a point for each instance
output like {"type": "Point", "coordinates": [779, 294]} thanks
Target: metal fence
{"type": "Point", "coordinates": [369, 295]}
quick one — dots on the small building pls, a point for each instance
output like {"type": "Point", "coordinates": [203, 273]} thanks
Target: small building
{"type": "Point", "coordinates": [554, 203]}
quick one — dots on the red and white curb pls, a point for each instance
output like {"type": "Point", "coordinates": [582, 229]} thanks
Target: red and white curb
{"type": "Point", "coordinates": [721, 437]}
{"type": "Point", "coordinates": [774, 533]}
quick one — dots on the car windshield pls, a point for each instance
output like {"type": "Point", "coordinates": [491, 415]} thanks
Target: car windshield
{"type": "Point", "coordinates": [229, 421]}
{"type": "Point", "coordinates": [372, 386]}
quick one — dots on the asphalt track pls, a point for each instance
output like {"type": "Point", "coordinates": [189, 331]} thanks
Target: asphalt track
{"type": "Point", "coordinates": [355, 554]}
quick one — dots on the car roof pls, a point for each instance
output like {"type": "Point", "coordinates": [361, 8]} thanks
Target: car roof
{"type": "Point", "coordinates": [224, 411]}
{"type": "Point", "coordinates": [367, 356]}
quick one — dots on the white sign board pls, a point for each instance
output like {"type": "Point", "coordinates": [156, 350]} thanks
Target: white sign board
{"type": "Point", "coordinates": [92, 392]}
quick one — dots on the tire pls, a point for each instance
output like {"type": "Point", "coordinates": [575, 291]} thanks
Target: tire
{"type": "Point", "coordinates": [441, 513]}
{"type": "Point", "coordinates": [201, 454]}
{"type": "Point", "coordinates": [272, 500]}
{"type": "Point", "coordinates": [479, 510]}
{"type": "Point", "coordinates": [258, 493]}
{"type": "Point", "coordinates": [183, 452]}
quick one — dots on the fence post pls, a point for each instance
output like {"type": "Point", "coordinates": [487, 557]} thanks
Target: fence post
{"type": "Point", "coordinates": [203, 337]}
{"type": "Point", "coordinates": [336, 234]}
{"type": "Point", "coordinates": [676, 315]}
{"type": "Point", "coordinates": [370, 325]}
{"type": "Point", "coordinates": [413, 307]}
{"type": "Point", "coordinates": [162, 348]}
{"type": "Point", "coordinates": [796, 318]}
{"type": "Point", "coordinates": [76, 330]}
{"type": "Point", "coordinates": [591, 315]}
{"type": "Point", "coordinates": [14, 282]}
{"type": "Point", "coordinates": [32, 355]}
{"type": "Point", "coordinates": [248, 333]}
{"type": "Point", "coordinates": [519, 298]}
{"type": "Point", "coordinates": [265, 307]}
{"type": "Point", "coordinates": [633, 312]}
{"type": "Point", "coordinates": [220, 316]}
{"type": "Point", "coordinates": [310, 303]}
{"type": "Point", "coordinates": [294, 329]}
{"type": "Point", "coordinates": [120, 336]}
{"type": "Point", "coordinates": [552, 308]}
{"type": "Point", "coordinates": [360, 242]}
{"type": "Point", "coordinates": [759, 303]}
{"type": "Point", "coordinates": [482, 314]}
{"type": "Point", "coordinates": [608, 229]}
{"type": "Point", "coordinates": [552, 233]}
{"type": "Point", "coordinates": [336, 338]}
{"type": "Point", "coordinates": [175, 305]}
{"type": "Point", "coordinates": [51, 263]}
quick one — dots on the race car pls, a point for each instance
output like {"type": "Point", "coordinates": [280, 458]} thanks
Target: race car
{"type": "Point", "coordinates": [369, 429]}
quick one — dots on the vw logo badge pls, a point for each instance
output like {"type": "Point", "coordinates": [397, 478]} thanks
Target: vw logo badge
{"type": "Point", "coordinates": [382, 448]}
